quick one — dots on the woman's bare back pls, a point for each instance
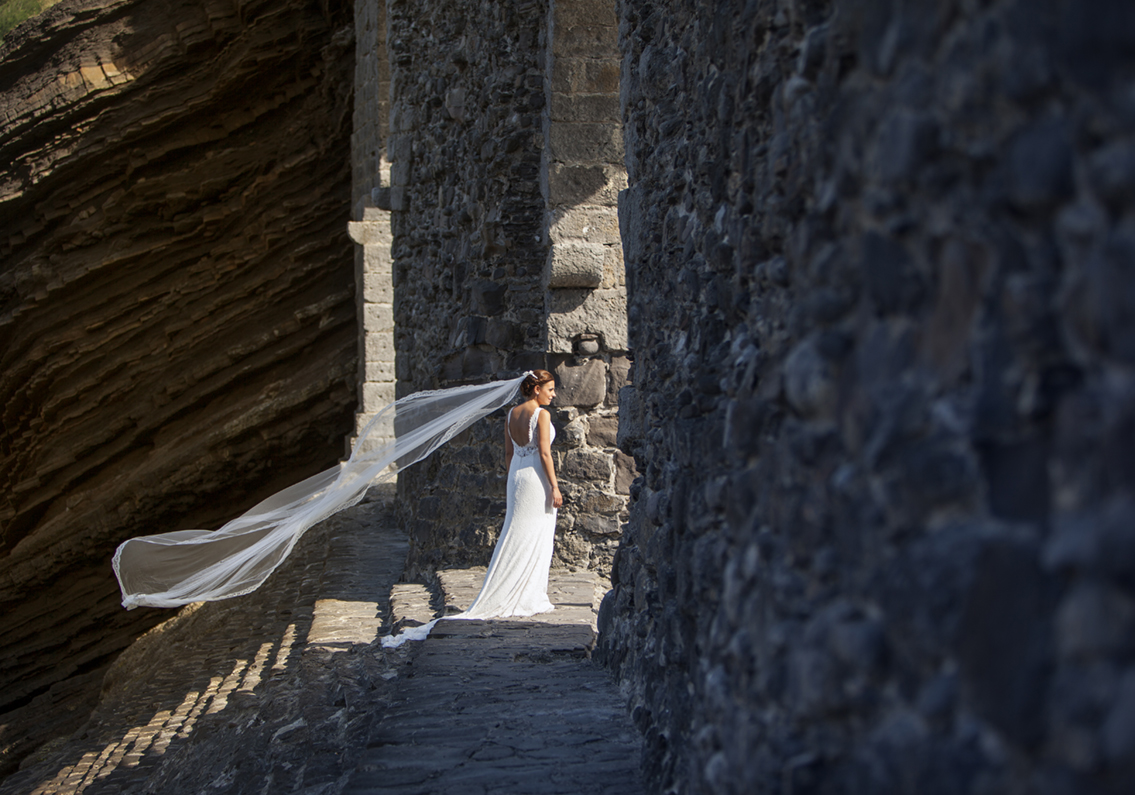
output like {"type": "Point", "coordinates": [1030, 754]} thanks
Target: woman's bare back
{"type": "Point", "coordinates": [519, 420]}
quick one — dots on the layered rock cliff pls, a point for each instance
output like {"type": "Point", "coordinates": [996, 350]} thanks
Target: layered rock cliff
{"type": "Point", "coordinates": [177, 330]}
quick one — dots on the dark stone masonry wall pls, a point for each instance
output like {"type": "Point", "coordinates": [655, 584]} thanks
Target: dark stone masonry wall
{"type": "Point", "coordinates": [470, 247]}
{"type": "Point", "coordinates": [879, 263]}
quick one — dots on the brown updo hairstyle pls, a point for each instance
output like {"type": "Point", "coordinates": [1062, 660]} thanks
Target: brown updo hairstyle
{"type": "Point", "coordinates": [534, 379]}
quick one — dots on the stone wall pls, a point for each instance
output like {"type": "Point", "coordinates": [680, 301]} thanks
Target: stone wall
{"type": "Point", "coordinates": [177, 322]}
{"type": "Point", "coordinates": [879, 262]}
{"type": "Point", "coordinates": [469, 195]}
{"type": "Point", "coordinates": [370, 225]}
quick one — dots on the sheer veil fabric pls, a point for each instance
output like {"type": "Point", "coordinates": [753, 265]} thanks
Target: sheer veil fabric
{"type": "Point", "coordinates": [174, 569]}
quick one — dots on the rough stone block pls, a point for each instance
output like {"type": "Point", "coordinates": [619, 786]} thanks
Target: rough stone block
{"type": "Point", "coordinates": [618, 375]}
{"type": "Point", "coordinates": [574, 311]}
{"type": "Point", "coordinates": [614, 269]}
{"type": "Point", "coordinates": [380, 197]}
{"type": "Point", "coordinates": [397, 198]}
{"type": "Point", "coordinates": [603, 108]}
{"type": "Point", "coordinates": [377, 395]}
{"type": "Point", "coordinates": [597, 524]}
{"type": "Point", "coordinates": [370, 232]}
{"type": "Point", "coordinates": [378, 288]}
{"type": "Point", "coordinates": [399, 175]}
{"type": "Point", "coordinates": [488, 296]}
{"type": "Point", "coordinates": [94, 76]}
{"type": "Point", "coordinates": [808, 380]}
{"type": "Point", "coordinates": [585, 76]}
{"type": "Point", "coordinates": [597, 184]}
{"type": "Point", "coordinates": [378, 318]}
{"type": "Point", "coordinates": [401, 148]}
{"type": "Point", "coordinates": [585, 12]}
{"type": "Point", "coordinates": [587, 466]}
{"type": "Point", "coordinates": [572, 264]}
{"type": "Point", "coordinates": [602, 431]}
{"type": "Point", "coordinates": [505, 335]}
{"type": "Point", "coordinates": [586, 40]}
{"type": "Point", "coordinates": [379, 346]}
{"type": "Point", "coordinates": [378, 371]}
{"type": "Point", "coordinates": [581, 385]}
{"type": "Point", "coordinates": [625, 472]}
{"type": "Point", "coordinates": [593, 224]}
{"type": "Point", "coordinates": [578, 142]}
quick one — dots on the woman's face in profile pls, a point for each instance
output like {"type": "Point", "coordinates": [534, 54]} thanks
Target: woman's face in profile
{"type": "Point", "coordinates": [545, 393]}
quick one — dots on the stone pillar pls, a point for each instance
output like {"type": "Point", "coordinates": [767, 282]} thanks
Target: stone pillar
{"type": "Point", "coordinates": [585, 289]}
{"type": "Point", "coordinates": [376, 311]}
{"type": "Point", "coordinates": [584, 286]}
{"type": "Point", "coordinates": [371, 225]}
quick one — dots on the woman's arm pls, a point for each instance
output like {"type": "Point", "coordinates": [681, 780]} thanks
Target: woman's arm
{"type": "Point", "coordinates": [507, 442]}
{"type": "Point", "coordinates": [544, 440]}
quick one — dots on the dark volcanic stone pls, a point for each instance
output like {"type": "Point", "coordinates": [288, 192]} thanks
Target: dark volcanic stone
{"type": "Point", "coordinates": [1004, 642]}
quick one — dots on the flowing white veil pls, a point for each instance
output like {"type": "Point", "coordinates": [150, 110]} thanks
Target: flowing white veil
{"type": "Point", "coordinates": [174, 569]}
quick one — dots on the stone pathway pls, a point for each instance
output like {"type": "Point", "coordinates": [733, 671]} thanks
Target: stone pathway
{"type": "Point", "coordinates": [524, 709]}
{"type": "Point", "coordinates": [288, 690]}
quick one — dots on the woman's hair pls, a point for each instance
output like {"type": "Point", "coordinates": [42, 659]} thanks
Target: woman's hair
{"type": "Point", "coordinates": [534, 379]}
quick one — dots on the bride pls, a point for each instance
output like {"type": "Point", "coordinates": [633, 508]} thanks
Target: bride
{"type": "Point", "coordinates": [516, 583]}
{"type": "Point", "coordinates": [184, 566]}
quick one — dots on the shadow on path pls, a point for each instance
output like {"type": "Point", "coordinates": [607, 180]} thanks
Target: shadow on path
{"type": "Point", "coordinates": [287, 690]}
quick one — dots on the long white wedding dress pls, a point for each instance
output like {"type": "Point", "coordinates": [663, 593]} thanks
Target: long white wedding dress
{"type": "Point", "coordinates": [516, 583]}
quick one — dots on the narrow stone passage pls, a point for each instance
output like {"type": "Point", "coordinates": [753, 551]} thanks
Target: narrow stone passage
{"type": "Point", "coordinates": [505, 706]}
{"type": "Point", "coordinates": [288, 690]}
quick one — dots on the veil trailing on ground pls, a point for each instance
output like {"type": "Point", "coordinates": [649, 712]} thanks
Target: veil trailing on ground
{"type": "Point", "coordinates": [174, 569]}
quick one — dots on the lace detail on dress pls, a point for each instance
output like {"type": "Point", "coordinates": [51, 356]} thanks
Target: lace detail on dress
{"type": "Point", "coordinates": [532, 447]}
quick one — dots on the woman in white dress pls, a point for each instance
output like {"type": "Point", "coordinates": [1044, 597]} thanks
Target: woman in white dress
{"type": "Point", "coordinates": [516, 583]}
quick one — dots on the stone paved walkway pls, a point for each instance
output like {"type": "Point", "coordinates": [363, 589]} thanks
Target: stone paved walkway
{"type": "Point", "coordinates": [288, 690]}
{"type": "Point", "coordinates": [525, 710]}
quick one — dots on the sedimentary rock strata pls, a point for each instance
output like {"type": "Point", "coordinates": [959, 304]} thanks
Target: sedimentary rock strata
{"type": "Point", "coordinates": [177, 330]}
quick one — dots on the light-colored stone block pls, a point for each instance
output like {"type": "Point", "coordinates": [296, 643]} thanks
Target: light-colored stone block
{"type": "Point", "coordinates": [378, 318]}
{"type": "Point", "coordinates": [584, 40]}
{"type": "Point", "coordinates": [379, 347]}
{"type": "Point", "coordinates": [377, 395]}
{"type": "Point", "coordinates": [377, 288]}
{"type": "Point", "coordinates": [602, 108]}
{"type": "Point", "coordinates": [582, 385]}
{"type": "Point", "coordinates": [577, 311]}
{"type": "Point", "coordinates": [577, 142]}
{"type": "Point", "coordinates": [595, 184]}
{"type": "Point", "coordinates": [575, 264]}
{"type": "Point", "coordinates": [592, 224]}
{"type": "Point", "coordinates": [614, 269]}
{"type": "Point", "coordinates": [370, 232]}
{"type": "Point", "coordinates": [378, 372]}
{"type": "Point", "coordinates": [585, 76]}
{"type": "Point", "coordinates": [585, 12]}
